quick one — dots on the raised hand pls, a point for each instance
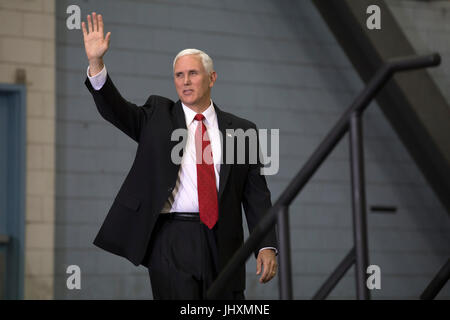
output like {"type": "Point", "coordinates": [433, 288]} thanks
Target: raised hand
{"type": "Point", "coordinates": [95, 43]}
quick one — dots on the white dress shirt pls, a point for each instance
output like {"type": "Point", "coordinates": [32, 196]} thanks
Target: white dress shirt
{"type": "Point", "coordinates": [184, 197]}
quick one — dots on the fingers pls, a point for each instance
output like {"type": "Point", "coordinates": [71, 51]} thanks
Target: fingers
{"type": "Point", "coordinates": [108, 36]}
{"type": "Point", "coordinates": [270, 270]}
{"type": "Point", "coordinates": [258, 265]}
{"type": "Point", "coordinates": [89, 23]}
{"type": "Point", "coordinates": [95, 21]}
{"type": "Point", "coordinates": [83, 26]}
{"type": "Point", "coordinates": [266, 273]}
{"type": "Point", "coordinates": [100, 24]}
{"type": "Point", "coordinates": [267, 259]}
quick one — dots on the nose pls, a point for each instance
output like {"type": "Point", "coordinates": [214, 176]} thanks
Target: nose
{"type": "Point", "coordinates": [187, 81]}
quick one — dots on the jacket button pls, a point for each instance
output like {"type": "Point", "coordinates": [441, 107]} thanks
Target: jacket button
{"type": "Point", "coordinates": [170, 189]}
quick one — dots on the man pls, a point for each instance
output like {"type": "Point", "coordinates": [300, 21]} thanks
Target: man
{"type": "Point", "coordinates": [181, 220]}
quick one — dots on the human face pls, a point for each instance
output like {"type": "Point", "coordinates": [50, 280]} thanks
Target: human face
{"type": "Point", "coordinates": [193, 83]}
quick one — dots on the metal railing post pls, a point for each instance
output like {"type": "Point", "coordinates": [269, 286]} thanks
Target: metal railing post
{"type": "Point", "coordinates": [284, 253]}
{"type": "Point", "coordinates": [359, 205]}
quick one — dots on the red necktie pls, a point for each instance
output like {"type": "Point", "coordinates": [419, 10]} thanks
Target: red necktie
{"type": "Point", "coordinates": [206, 179]}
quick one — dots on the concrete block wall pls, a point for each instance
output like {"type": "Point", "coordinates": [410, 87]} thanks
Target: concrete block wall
{"type": "Point", "coordinates": [27, 41]}
{"type": "Point", "coordinates": [279, 66]}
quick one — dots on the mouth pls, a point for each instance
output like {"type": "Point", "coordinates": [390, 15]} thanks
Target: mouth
{"type": "Point", "coordinates": [188, 92]}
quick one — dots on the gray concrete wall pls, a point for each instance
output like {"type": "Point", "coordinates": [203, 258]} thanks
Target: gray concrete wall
{"type": "Point", "coordinates": [278, 66]}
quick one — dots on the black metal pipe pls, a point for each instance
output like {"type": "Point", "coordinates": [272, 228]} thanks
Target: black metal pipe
{"type": "Point", "coordinates": [284, 254]}
{"type": "Point", "coordinates": [325, 148]}
{"type": "Point", "coordinates": [437, 283]}
{"type": "Point", "coordinates": [335, 276]}
{"type": "Point", "coordinates": [359, 205]}
{"type": "Point", "coordinates": [414, 62]}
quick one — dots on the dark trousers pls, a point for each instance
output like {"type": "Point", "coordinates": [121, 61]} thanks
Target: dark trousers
{"type": "Point", "coordinates": [182, 260]}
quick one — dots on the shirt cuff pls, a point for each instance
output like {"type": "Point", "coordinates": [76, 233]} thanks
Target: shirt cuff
{"type": "Point", "coordinates": [99, 79]}
{"type": "Point", "coordinates": [276, 251]}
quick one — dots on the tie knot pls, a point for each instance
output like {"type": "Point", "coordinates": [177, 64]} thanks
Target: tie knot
{"type": "Point", "coordinates": [199, 117]}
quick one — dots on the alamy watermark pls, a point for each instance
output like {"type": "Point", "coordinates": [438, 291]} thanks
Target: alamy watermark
{"type": "Point", "coordinates": [374, 20]}
{"type": "Point", "coordinates": [74, 280]}
{"type": "Point", "coordinates": [241, 147]}
{"type": "Point", "coordinates": [74, 20]}
{"type": "Point", "coordinates": [374, 280]}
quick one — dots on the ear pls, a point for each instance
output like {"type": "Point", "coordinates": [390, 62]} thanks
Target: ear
{"type": "Point", "coordinates": [212, 78]}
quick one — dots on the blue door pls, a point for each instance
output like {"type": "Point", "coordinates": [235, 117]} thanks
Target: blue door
{"type": "Point", "coordinates": [12, 190]}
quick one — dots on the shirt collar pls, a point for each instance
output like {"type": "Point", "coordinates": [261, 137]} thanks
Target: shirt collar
{"type": "Point", "coordinates": [209, 114]}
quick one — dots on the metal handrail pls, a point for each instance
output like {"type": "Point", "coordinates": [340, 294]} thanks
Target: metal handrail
{"type": "Point", "coordinates": [314, 162]}
{"type": "Point", "coordinates": [437, 283]}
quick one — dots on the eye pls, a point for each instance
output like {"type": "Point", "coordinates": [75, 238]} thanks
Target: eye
{"type": "Point", "coordinates": [193, 72]}
{"type": "Point", "coordinates": [178, 75]}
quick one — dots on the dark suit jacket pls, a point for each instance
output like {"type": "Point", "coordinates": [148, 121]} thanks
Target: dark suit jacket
{"type": "Point", "coordinates": [128, 226]}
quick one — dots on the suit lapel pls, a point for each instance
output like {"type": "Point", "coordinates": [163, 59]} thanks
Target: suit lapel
{"type": "Point", "coordinates": [178, 122]}
{"type": "Point", "coordinates": [224, 123]}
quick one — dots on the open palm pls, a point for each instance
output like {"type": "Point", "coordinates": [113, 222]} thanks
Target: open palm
{"type": "Point", "coordinates": [95, 43]}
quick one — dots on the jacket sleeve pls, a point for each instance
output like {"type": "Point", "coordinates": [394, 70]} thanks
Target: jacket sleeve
{"type": "Point", "coordinates": [124, 115]}
{"type": "Point", "coordinates": [256, 200]}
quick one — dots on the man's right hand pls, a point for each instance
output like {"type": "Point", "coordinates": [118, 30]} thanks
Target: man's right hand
{"type": "Point", "coordinates": [94, 43]}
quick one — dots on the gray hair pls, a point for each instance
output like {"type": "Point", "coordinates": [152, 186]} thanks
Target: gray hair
{"type": "Point", "coordinates": [206, 60]}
